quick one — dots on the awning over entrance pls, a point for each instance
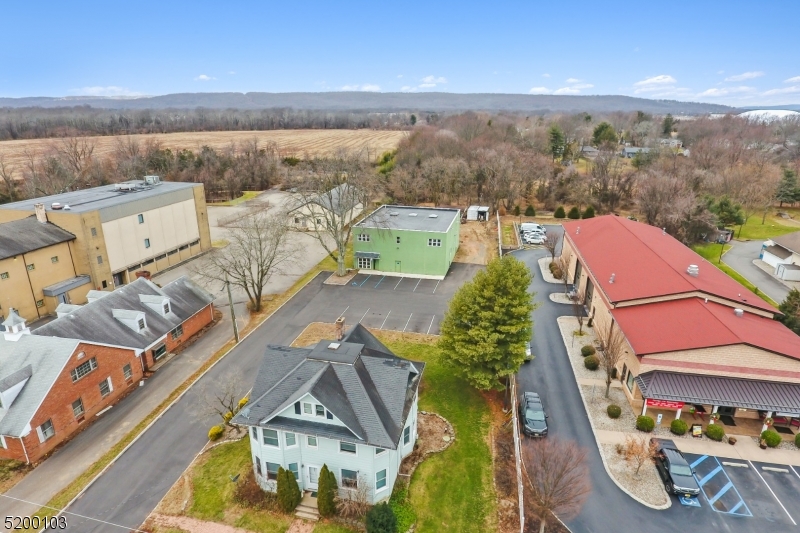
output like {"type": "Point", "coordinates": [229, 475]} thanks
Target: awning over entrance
{"type": "Point", "coordinates": [65, 286]}
{"type": "Point", "coordinates": [716, 390]}
{"type": "Point", "coordinates": [369, 255]}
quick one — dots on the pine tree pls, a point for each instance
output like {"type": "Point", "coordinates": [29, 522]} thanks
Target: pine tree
{"type": "Point", "coordinates": [574, 214]}
{"type": "Point", "coordinates": [559, 213]}
{"type": "Point", "coordinates": [589, 212]}
{"type": "Point", "coordinates": [516, 210]}
{"type": "Point", "coordinates": [557, 141]}
{"type": "Point", "coordinates": [604, 133]}
{"type": "Point", "coordinates": [288, 490]}
{"type": "Point", "coordinates": [326, 493]}
{"type": "Point", "coordinates": [488, 324]}
{"type": "Point", "coordinates": [668, 124]}
{"type": "Point", "coordinates": [530, 212]}
{"type": "Point", "coordinates": [787, 190]}
{"type": "Point", "coordinates": [790, 308]}
{"type": "Point", "coordinates": [381, 519]}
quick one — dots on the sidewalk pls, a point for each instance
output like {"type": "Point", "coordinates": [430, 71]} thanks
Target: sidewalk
{"type": "Point", "coordinates": [69, 462]}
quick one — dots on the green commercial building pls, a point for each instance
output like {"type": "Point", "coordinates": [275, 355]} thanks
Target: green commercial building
{"type": "Point", "coordinates": [406, 241]}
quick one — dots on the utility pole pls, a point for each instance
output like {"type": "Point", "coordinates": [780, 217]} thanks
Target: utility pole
{"type": "Point", "coordinates": [233, 312]}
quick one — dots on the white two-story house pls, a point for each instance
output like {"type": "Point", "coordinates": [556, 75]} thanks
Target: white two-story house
{"type": "Point", "coordinates": [349, 404]}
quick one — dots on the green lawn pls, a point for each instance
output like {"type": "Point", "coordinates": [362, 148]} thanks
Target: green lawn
{"type": "Point", "coordinates": [754, 230]}
{"type": "Point", "coordinates": [246, 195]}
{"type": "Point", "coordinates": [711, 253]}
{"type": "Point", "coordinates": [508, 236]}
{"type": "Point", "coordinates": [330, 527]}
{"type": "Point", "coordinates": [452, 491]}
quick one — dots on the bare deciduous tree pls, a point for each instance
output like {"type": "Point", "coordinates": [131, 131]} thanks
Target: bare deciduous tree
{"type": "Point", "coordinates": [7, 177]}
{"type": "Point", "coordinates": [353, 502]}
{"type": "Point", "coordinates": [222, 398]}
{"type": "Point", "coordinates": [558, 477]}
{"type": "Point", "coordinates": [639, 450]}
{"type": "Point", "coordinates": [259, 248]}
{"type": "Point", "coordinates": [551, 243]}
{"type": "Point", "coordinates": [578, 305]}
{"type": "Point", "coordinates": [563, 265]}
{"type": "Point", "coordinates": [612, 350]}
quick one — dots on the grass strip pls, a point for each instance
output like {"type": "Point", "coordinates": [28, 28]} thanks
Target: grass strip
{"type": "Point", "coordinates": [246, 195]}
{"type": "Point", "coordinates": [711, 253]}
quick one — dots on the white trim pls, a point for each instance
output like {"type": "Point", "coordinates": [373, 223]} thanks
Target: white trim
{"type": "Point", "coordinates": [385, 480]}
{"type": "Point", "coordinates": [3, 442]}
{"type": "Point", "coordinates": [288, 446]}
{"type": "Point", "coordinates": [316, 439]}
{"type": "Point", "coordinates": [341, 479]}
{"type": "Point", "coordinates": [310, 408]}
{"type": "Point", "coordinates": [341, 452]}
{"type": "Point", "coordinates": [264, 438]}
{"type": "Point", "coordinates": [308, 476]}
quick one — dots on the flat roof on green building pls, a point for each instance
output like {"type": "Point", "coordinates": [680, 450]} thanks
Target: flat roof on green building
{"type": "Point", "coordinates": [402, 217]}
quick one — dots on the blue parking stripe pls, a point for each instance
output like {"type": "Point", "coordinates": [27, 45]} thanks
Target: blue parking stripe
{"type": "Point", "coordinates": [363, 282]}
{"type": "Point", "coordinates": [721, 492]}
{"type": "Point", "coordinates": [703, 458]}
{"type": "Point", "coordinates": [710, 475]}
{"type": "Point", "coordinates": [736, 507]}
{"type": "Point", "coordinates": [376, 285]}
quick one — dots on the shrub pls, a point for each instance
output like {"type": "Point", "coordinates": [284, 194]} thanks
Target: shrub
{"type": "Point", "coordinates": [772, 438]}
{"type": "Point", "coordinates": [403, 511]}
{"type": "Point", "coordinates": [588, 350]}
{"type": "Point", "coordinates": [557, 273]}
{"type": "Point", "coordinates": [249, 494]}
{"type": "Point", "coordinates": [243, 402]}
{"type": "Point", "coordinates": [797, 440]}
{"type": "Point", "coordinates": [516, 210]}
{"type": "Point", "coordinates": [614, 411]}
{"type": "Point", "coordinates": [530, 211]}
{"type": "Point", "coordinates": [227, 417]}
{"type": "Point", "coordinates": [588, 213]}
{"type": "Point", "coordinates": [326, 493]}
{"type": "Point", "coordinates": [552, 266]}
{"type": "Point", "coordinates": [574, 214]}
{"type": "Point", "coordinates": [645, 423]}
{"type": "Point", "coordinates": [502, 211]}
{"type": "Point", "coordinates": [591, 362]}
{"type": "Point", "coordinates": [381, 519]}
{"type": "Point", "coordinates": [679, 427]}
{"type": "Point", "coordinates": [559, 213]}
{"type": "Point", "coordinates": [215, 432]}
{"type": "Point", "coordinates": [715, 432]}
{"type": "Point", "coordinates": [288, 491]}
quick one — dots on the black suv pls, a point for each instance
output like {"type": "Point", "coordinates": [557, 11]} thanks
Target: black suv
{"type": "Point", "coordinates": [531, 415]}
{"type": "Point", "coordinates": [674, 470]}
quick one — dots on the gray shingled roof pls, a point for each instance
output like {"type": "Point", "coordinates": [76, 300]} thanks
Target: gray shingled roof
{"type": "Point", "coordinates": [790, 241]}
{"type": "Point", "coordinates": [95, 322]}
{"type": "Point", "coordinates": [371, 394]}
{"type": "Point", "coordinates": [28, 234]}
{"type": "Point", "coordinates": [40, 358]}
{"type": "Point", "coordinates": [778, 251]}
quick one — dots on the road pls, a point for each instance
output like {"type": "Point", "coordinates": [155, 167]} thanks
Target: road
{"type": "Point", "coordinates": [740, 258]}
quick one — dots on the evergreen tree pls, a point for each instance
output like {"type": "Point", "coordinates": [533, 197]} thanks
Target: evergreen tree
{"type": "Point", "coordinates": [557, 141]}
{"type": "Point", "coordinates": [604, 133]}
{"type": "Point", "coordinates": [589, 212]}
{"type": "Point", "coordinates": [326, 493]}
{"type": "Point", "coordinates": [790, 308]}
{"type": "Point", "coordinates": [488, 324]}
{"type": "Point", "coordinates": [381, 519]}
{"type": "Point", "coordinates": [787, 190]}
{"type": "Point", "coordinates": [529, 211]}
{"type": "Point", "coordinates": [574, 214]}
{"type": "Point", "coordinates": [516, 210]}
{"type": "Point", "coordinates": [288, 491]}
{"type": "Point", "coordinates": [413, 119]}
{"type": "Point", "coordinates": [559, 213]}
{"type": "Point", "coordinates": [728, 213]}
{"type": "Point", "coordinates": [668, 124]}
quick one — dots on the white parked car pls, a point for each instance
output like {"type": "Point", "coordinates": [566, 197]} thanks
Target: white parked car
{"type": "Point", "coordinates": [533, 239]}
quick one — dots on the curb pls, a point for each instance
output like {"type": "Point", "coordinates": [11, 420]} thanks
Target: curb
{"type": "Point", "coordinates": [602, 457]}
{"type": "Point", "coordinates": [177, 399]}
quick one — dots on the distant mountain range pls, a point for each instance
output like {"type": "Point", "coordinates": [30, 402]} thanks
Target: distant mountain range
{"type": "Point", "coordinates": [380, 102]}
{"type": "Point", "coordinates": [790, 107]}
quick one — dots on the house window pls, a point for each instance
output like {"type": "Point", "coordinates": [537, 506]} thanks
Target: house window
{"type": "Point", "coordinates": [257, 461]}
{"type": "Point", "coordinates": [347, 447]}
{"type": "Point", "coordinates": [296, 220]}
{"type": "Point", "coordinates": [82, 369]}
{"type": "Point", "coordinates": [271, 438]}
{"type": "Point", "coordinates": [39, 303]}
{"type": "Point", "coordinates": [307, 409]}
{"type": "Point", "coordinates": [99, 259]}
{"type": "Point", "coordinates": [379, 451]}
{"type": "Point", "coordinates": [407, 435]}
{"type": "Point", "coordinates": [294, 470]}
{"type": "Point", "coordinates": [105, 387]}
{"type": "Point", "coordinates": [172, 252]}
{"type": "Point", "coordinates": [54, 259]}
{"type": "Point", "coordinates": [141, 219]}
{"type": "Point", "coordinates": [291, 440]}
{"type": "Point", "coordinates": [255, 433]}
{"type": "Point", "coordinates": [94, 232]}
{"type": "Point", "coordinates": [328, 415]}
{"type": "Point", "coordinates": [297, 409]}
{"type": "Point", "coordinates": [435, 242]}
{"type": "Point", "coordinates": [272, 471]}
{"type": "Point", "coordinates": [160, 257]}
{"type": "Point", "coordinates": [312, 441]}
{"type": "Point", "coordinates": [147, 243]}
{"type": "Point", "coordinates": [31, 266]}
{"type": "Point", "coordinates": [166, 308]}
{"type": "Point", "coordinates": [104, 284]}
{"type": "Point", "coordinates": [77, 408]}
{"type": "Point", "coordinates": [629, 381]}
{"type": "Point", "coordinates": [363, 237]}
{"type": "Point", "coordinates": [159, 352]}
{"type": "Point", "coordinates": [3, 275]}
{"type": "Point", "coordinates": [177, 332]}
{"type": "Point", "coordinates": [195, 243]}
{"type": "Point", "coordinates": [320, 410]}
{"type": "Point", "coordinates": [3, 442]}
{"type": "Point", "coordinates": [127, 372]}
{"type": "Point", "coordinates": [141, 324]}
{"type": "Point", "coordinates": [349, 479]}
{"type": "Point", "coordinates": [398, 240]}
{"type": "Point", "coordinates": [46, 431]}
{"type": "Point", "coordinates": [365, 263]}
{"type": "Point", "coordinates": [380, 480]}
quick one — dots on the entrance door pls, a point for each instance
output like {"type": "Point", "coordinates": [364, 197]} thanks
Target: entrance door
{"type": "Point", "coordinates": [62, 298]}
{"type": "Point", "coordinates": [312, 477]}
{"type": "Point", "coordinates": [119, 280]}
{"type": "Point", "coordinates": [397, 266]}
{"type": "Point", "coordinates": [589, 292]}
{"type": "Point", "coordinates": [729, 411]}
{"type": "Point", "coordinates": [576, 280]}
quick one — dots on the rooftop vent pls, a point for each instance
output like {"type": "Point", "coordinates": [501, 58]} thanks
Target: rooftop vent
{"type": "Point", "coordinates": [393, 213]}
{"type": "Point", "coordinates": [612, 278]}
{"type": "Point", "coordinates": [738, 312]}
{"type": "Point", "coordinates": [663, 231]}
{"type": "Point", "coordinates": [67, 207]}
{"type": "Point", "coordinates": [433, 216]}
{"type": "Point", "coordinates": [693, 270]}
{"type": "Point", "coordinates": [56, 206]}
{"type": "Point", "coordinates": [578, 231]}
{"type": "Point", "coordinates": [334, 346]}
{"type": "Point", "coordinates": [412, 214]}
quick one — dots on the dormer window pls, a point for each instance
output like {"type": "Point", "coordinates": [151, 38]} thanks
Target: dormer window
{"type": "Point", "coordinates": [157, 302]}
{"type": "Point", "coordinates": [166, 308]}
{"type": "Point", "coordinates": [141, 324]}
{"type": "Point", "coordinates": [135, 320]}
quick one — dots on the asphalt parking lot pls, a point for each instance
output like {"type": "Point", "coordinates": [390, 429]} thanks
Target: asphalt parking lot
{"type": "Point", "coordinates": [747, 489]}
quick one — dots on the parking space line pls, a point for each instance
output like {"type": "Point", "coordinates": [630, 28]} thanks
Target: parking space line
{"type": "Point", "coordinates": [702, 458]}
{"type": "Point", "coordinates": [343, 312]}
{"type": "Point", "coordinates": [773, 494]}
{"type": "Point", "coordinates": [721, 492]}
{"type": "Point", "coordinates": [429, 327]}
{"type": "Point", "coordinates": [736, 507]}
{"type": "Point", "coordinates": [710, 475]}
{"type": "Point", "coordinates": [407, 321]}
{"type": "Point", "coordinates": [725, 488]}
{"type": "Point", "coordinates": [363, 282]}
{"type": "Point", "coordinates": [398, 283]}
{"type": "Point", "coordinates": [385, 319]}
{"type": "Point", "coordinates": [436, 287]}
{"type": "Point", "coordinates": [376, 285]}
{"type": "Point", "coordinates": [417, 285]}
{"type": "Point", "coordinates": [795, 471]}
{"type": "Point", "coordinates": [365, 314]}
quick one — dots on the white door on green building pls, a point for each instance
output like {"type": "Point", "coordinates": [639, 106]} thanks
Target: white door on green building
{"type": "Point", "coordinates": [312, 477]}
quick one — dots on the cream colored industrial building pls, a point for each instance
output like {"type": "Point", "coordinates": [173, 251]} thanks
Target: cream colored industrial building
{"type": "Point", "coordinates": [124, 228]}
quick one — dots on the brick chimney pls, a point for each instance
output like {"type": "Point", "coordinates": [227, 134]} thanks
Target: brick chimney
{"type": "Point", "coordinates": [340, 328]}
{"type": "Point", "coordinates": [41, 214]}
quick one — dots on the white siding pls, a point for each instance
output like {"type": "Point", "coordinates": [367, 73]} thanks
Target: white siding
{"type": "Point", "coordinates": [308, 399]}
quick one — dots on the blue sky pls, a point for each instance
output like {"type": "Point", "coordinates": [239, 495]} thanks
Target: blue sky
{"type": "Point", "coordinates": [732, 52]}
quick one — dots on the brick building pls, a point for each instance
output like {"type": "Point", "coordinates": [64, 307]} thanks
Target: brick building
{"type": "Point", "coordinates": [694, 337]}
{"type": "Point", "coordinates": [51, 387]}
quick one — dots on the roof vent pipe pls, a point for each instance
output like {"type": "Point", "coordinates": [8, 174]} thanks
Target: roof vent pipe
{"type": "Point", "coordinates": [578, 231]}
{"type": "Point", "coordinates": [663, 231]}
{"type": "Point", "coordinates": [693, 270]}
{"type": "Point", "coordinates": [612, 278]}
{"type": "Point", "coordinates": [738, 312]}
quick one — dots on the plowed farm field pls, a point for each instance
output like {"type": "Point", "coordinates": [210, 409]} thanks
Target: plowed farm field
{"type": "Point", "coordinates": [297, 143]}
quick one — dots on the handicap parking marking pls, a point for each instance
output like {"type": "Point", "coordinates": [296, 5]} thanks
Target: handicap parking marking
{"type": "Point", "coordinates": [689, 502]}
{"type": "Point", "coordinates": [717, 487]}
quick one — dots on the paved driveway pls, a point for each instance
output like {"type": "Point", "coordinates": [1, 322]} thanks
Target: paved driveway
{"type": "Point", "coordinates": [740, 257]}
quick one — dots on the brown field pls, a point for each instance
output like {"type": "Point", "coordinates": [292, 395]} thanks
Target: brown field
{"type": "Point", "coordinates": [297, 143]}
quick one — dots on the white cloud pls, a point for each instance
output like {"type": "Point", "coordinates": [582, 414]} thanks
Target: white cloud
{"type": "Point", "coordinates": [785, 90]}
{"type": "Point", "coordinates": [540, 90]}
{"type": "Point", "coordinates": [573, 80]}
{"type": "Point", "coordinates": [717, 92]}
{"type": "Point", "coordinates": [399, 76]}
{"type": "Point", "coordinates": [745, 76]}
{"type": "Point", "coordinates": [203, 77]}
{"type": "Point", "coordinates": [110, 90]}
{"type": "Point", "coordinates": [796, 79]}
{"type": "Point", "coordinates": [367, 87]}
{"type": "Point", "coordinates": [433, 80]}
{"type": "Point", "coordinates": [660, 80]}
{"type": "Point", "coordinates": [231, 72]}
{"type": "Point", "coordinates": [567, 90]}
{"type": "Point", "coordinates": [545, 75]}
